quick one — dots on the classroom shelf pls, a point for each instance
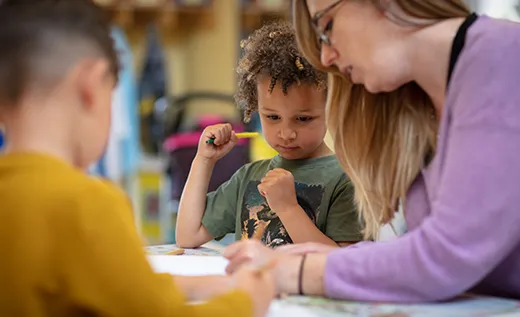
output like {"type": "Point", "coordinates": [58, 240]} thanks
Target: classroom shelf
{"type": "Point", "coordinates": [254, 15]}
{"type": "Point", "coordinates": [167, 15]}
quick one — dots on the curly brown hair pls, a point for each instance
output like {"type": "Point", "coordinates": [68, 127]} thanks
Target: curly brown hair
{"type": "Point", "coordinates": [272, 52]}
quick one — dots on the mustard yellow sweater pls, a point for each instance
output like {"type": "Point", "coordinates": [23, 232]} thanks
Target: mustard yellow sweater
{"type": "Point", "coordinates": [68, 247]}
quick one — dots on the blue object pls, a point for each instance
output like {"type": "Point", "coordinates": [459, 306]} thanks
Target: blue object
{"type": "Point", "coordinates": [122, 155]}
{"type": "Point", "coordinates": [129, 96]}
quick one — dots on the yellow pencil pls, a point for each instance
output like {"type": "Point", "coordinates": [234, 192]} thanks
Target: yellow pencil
{"type": "Point", "coordinates": [244, 135]}
{"type": "Point", "coordinates": [241, 135]}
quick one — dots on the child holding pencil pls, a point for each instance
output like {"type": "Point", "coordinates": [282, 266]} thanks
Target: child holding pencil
{"type": "Point", "coordinates": [301, 195]}
{"type": "Point", "coordinates": [69, 244]}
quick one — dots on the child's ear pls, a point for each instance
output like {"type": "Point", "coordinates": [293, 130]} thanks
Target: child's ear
{"type": "Point", "coordinates": [92, 75]}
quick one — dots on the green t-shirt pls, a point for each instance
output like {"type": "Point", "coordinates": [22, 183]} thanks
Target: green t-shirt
{"type": "Point", "coordinates": [322, 189]}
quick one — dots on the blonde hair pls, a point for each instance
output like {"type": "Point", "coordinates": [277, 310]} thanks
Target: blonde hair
{"type": "Point", "coordinates": [381, 140]}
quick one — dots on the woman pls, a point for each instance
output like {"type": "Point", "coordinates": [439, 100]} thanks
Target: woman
{"type": "Point", "coordinates": [423, 107]}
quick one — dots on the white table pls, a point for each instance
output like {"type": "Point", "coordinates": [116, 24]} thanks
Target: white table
{"type": "Point", "coordinates": [321, 307]}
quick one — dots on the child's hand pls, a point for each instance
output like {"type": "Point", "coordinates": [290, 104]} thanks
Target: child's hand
{"type": "Point", "coordinates": [278, 188]}
{"type": "Point", "coordinates": [260, 286]}
{"type": "Point", "coordinates": [224, 140]}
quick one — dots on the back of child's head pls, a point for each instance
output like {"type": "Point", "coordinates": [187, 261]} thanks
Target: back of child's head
{"type": "Point", "coordinates": [272, 52]}
{"type": "Point", "coordinates": [40, 40]}
{"type": "Point", "coordinates": [58, 68]}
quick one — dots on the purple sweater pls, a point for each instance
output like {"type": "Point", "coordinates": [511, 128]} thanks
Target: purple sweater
{"type": "Point", "coordinates": [463, 211]}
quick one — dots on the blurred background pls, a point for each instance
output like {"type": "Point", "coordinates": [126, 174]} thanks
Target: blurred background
{"type": "Point", "coordinates": [178, 59]}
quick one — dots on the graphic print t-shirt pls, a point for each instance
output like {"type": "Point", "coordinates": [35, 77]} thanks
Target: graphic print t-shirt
{"type": "Point", "coordinates": [323, 191]}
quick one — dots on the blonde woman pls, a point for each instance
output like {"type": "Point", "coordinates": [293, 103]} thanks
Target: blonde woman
{"type": "Point", "coordinates": [424, 108]}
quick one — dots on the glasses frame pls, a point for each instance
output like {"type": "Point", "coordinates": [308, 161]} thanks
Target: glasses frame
{"type": "Point", "coordinates": [322, 36]}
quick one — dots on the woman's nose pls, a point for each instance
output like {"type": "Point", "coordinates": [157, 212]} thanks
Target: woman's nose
{"type": "Point", "coordinates": [328, 55]}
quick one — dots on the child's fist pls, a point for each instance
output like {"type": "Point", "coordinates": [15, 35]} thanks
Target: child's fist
{"type": "Point", "coordinates": [224, 139]}
{"type": "Point", "coordinates": [278, 188]}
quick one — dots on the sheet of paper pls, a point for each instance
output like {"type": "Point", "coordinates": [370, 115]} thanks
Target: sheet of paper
{"type": "Point", "coordinates": [188, 265]}
{"type": "Point", "coordinates": [279, 309]}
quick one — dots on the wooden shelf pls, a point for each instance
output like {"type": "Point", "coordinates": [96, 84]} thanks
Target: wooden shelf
{"type": "Point", "coordinates": [253, 15]}
{"type": "Point", "coordinates": [167, 16]}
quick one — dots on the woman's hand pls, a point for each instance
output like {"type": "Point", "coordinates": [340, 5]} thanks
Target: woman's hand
{"type": "Point", "coordinates": [286, 267]}
{"type": "Point", "coordinates": [306, 248]}
{"type": "Point", "coordinates": [251, 252]}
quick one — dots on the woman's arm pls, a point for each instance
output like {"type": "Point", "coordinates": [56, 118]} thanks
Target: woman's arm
{"type": "Point", "coordinates": [473, 226]}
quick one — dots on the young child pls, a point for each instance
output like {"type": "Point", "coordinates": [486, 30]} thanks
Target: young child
{"type": "Point", "coordinates": [69, 245]}
{"type": "Point", "coordinates": [302, 194]}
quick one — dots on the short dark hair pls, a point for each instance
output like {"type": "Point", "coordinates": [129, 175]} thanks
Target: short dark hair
{"type": "Point", "coordinates": [35, 32]}
{"type": "Point", "coordinates": [272, 51]}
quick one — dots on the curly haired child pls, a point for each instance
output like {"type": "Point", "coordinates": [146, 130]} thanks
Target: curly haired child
{"type": "Point", "coordinates": [300, 195]}
{"type": "Point", "coordinates": [69, 244]}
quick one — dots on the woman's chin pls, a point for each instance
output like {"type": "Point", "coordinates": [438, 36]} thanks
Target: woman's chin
{"type": "Point", "coordinates": [378, 86]}
{"type": "Point", "coordinates": [372, 87]}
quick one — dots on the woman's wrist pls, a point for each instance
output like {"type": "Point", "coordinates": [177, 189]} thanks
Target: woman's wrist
{"type": "Point", "coordinates": [310, 281]}
{"type": "Point", "coordinates": [313, 274]}
{"type": "Point", "coordinates": [287, 274]}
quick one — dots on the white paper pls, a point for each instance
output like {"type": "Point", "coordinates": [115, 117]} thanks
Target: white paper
{"type": "Point", "coordinates": [278, 309]}
{"type": "Point", "coordinates": [188, 265]}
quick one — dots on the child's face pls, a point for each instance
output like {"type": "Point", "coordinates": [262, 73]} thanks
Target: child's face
{"type": "Point", "coordinates": [293, 124]}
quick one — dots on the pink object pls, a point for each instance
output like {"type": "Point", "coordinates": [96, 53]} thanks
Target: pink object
{"type": "Point", "coordinates": [208, 120]}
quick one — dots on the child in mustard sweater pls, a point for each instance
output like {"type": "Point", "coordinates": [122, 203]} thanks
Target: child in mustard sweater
{"type": "Point", "coordinates": [69, 245]}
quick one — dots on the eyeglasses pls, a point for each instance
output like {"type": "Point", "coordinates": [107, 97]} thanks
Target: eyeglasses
{"type": "Point", "coordinates": [323, 35]}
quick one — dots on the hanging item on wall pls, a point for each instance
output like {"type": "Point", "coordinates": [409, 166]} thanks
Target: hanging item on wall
{"type": "Point", "coordinates": [152, 93]}
{"type": "Point", "coordinates": [121, 157]}
{"type": "Point", "coordinates": [129, 101]}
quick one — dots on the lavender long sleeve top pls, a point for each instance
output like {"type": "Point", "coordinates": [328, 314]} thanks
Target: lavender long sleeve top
{"type": "Point", "coordinates": [463, 210]}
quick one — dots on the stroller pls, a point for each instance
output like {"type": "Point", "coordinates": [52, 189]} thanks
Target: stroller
{"type": "Point", "coordinates": [181, 143]}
